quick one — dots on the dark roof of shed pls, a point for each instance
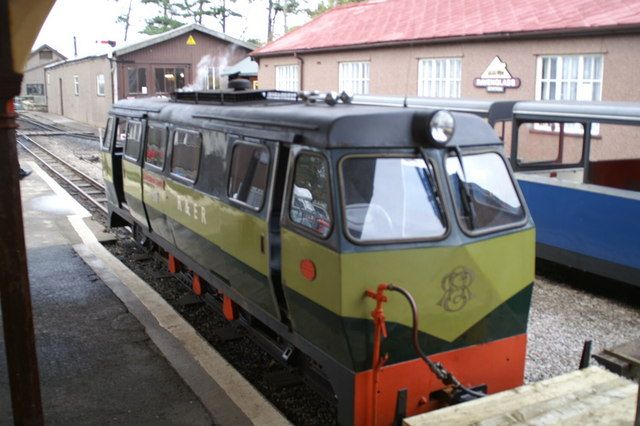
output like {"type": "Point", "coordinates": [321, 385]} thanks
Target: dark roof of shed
{"type": "Point", "coordinates": [388, 22]}
{"type": "Point", "coordinates": [177, 33]}
{"type": "Point", "coordinates": [47, 47]}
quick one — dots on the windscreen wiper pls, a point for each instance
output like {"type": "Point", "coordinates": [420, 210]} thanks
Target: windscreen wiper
{"type": "Point", "coordinates": [466, 197]}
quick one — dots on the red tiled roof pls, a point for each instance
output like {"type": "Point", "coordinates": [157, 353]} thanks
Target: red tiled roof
{"type": "Point", "coordinates": [398, 21]}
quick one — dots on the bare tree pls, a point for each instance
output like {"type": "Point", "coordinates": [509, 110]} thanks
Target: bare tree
{"type": "Point", "coordinates": [125, 19]}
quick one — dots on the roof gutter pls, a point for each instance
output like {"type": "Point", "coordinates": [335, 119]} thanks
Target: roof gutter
{"type": "Point", "coordinates": [545, 34]}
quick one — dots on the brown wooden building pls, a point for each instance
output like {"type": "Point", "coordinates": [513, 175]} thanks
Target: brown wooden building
{"type": "Point", "coordinates": [189, 55]}
{"type": "Point", "coordinates": [84, 89]}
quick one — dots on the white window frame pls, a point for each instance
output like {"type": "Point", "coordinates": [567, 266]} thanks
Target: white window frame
{"type": "Point", "coordinates": [583, 80]}
{"type": "Point", "coordinates": [354, 77]}
{"type": "Point", "coordinates": [440, 77]}
{"type": "Point", "coordinates": [288, 77]}
{"type": "Point", "coordinates": [100, 84]}
{"type": "Point", "coordinates": [76, 85]}
{"type": "Point", "coordinates": [580, 85]}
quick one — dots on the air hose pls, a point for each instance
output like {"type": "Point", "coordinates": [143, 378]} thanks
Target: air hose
{"type": "Point", "coordinates": [444, 375]}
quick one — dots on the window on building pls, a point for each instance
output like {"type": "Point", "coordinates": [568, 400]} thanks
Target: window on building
{"type": "Point", "coordinates": [569, 78]}
{"type": "Point", "coordinates": [46, 55]}
{"type": "Point", "coordinates": [76, 85]}
{"type": "Point", "coordinates": [186, 154]}
{"type": "Point", "coordinates": [354, 78]}
{"type": "Point", "coordinates": [132, 144]}
{"type": "Point", "coordinates": [100, 84]}
{"type": "Point", "coordinates": [35, 89]}
{"type": "Point", "coordinates": [249, 172]}
{"type": "Point", "coordinates": [439, 78]}
{"type": "Point", "coordinates": [287, 77]}
{"type": "Point", "coordinates": [137, 81]}
{"type": "Point", "coordinates": [169, 79]}
{"type": "Point", "coordinates": [310, 196]}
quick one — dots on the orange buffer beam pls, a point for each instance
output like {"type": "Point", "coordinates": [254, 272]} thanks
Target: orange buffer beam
{"type": "Point", "coordinates": [498, 364]}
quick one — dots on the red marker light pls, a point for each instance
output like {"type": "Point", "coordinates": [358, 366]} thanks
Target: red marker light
{"type": "Point", "coordinates": [308, 269]}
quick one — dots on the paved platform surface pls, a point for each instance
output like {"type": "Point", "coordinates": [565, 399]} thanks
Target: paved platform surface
{"type": "Point", "coordinates": [97, 362]}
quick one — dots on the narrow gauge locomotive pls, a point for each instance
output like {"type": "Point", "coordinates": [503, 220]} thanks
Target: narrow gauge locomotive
{"type": "Point", "coordinates": [291, 209]}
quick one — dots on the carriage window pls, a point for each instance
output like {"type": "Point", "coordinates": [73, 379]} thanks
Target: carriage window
{"type": "Point", "coordinates": [310, 199]}
{"type": "Point", "coordinates": [248, 176]}
{"type": "Point", "coordinates": [186, 154]}
{"type": "Point", "coordinates": [121, 134]}
{"type": "Point", "coordinates": [391, 199]}
{"type": "Point", "coordinates": [108, 135]}
{"type": "Point", "coordinates": [132, 144]}
{"type": "Point", "coordinates": [483, 192]}
{"type": "Point", "coordinates": [156, 145]}
{"type": "Point", "coordinates": [550, 142]}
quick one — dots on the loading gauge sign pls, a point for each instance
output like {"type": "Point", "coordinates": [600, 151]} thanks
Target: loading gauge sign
{"type": "Point", "coordinates": [191, 41]}
{"type": "Point", "coordinates": [496, 78]}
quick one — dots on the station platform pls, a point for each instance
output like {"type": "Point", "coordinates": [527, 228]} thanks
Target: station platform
{"type": "Point", "coordinates": [110, 350]}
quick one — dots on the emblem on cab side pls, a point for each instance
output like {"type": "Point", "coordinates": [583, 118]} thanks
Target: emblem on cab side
{"type": "Point", "coordinates": [456, 289]}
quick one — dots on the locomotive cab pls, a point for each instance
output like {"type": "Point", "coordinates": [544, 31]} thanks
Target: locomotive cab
{"type": "Point", "coordinates": [292, 211]}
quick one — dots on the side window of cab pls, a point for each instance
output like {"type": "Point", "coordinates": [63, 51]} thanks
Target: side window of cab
{"type": "Point", "coordinates": [248, 177]}
{"type": "Point", "coordinates": [310, 205]}
{"type": "Point", "coordinates": [132, 143]}
{"type": "Point", "coordinates": [107, 138]}
{"type": "Point", "coordinates": [156, 145]}
{"type": "Point", "coordinates": [185, 158]}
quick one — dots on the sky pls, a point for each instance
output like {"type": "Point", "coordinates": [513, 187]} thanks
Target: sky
{"type": "Point", "coordinates": [94, 20]}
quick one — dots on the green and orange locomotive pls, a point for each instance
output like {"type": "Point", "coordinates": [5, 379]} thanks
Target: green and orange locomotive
{"type": "Point", "coordinates": [390, 246]}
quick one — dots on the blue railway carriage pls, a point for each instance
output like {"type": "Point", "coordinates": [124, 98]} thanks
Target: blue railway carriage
{"type": "Point", "coordinates": [578, 165]}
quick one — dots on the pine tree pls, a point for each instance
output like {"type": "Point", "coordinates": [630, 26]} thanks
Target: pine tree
{"type": "Point", "coordinates": [165, 21]}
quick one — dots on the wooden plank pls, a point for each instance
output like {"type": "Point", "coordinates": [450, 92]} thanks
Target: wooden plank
{"type": "Point", "coordinates": [574, 398]}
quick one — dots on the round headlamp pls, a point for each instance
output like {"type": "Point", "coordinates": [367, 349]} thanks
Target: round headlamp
{"type": "Point", "coordinates": [441, 127]}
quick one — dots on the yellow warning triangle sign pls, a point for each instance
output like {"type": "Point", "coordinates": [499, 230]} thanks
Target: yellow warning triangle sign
{"type": "Point", "coordinates": [191, 41]}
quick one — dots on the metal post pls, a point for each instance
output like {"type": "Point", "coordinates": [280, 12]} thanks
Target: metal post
{"type": "Point", "coordinates": [15, 296]}
{"type": "Point", "coordinates": [586, 354]}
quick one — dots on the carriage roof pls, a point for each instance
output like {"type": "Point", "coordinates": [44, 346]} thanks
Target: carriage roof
{"type": "Point", "coordinates": [285, 116]}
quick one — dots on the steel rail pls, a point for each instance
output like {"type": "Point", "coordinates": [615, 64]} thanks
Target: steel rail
{"type": "Point", "coordinates": [52, 128]}
{"type": "Point", "coordinates": [86, 178]}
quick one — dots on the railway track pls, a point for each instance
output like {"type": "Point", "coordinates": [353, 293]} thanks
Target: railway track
{"type": "Point", "coordinates": [79, 182]}
{"type": "Point", "coordinates": [33, 127]}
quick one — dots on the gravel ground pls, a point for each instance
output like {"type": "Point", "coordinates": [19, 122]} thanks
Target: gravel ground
{"type": "Point", "coordinates": [568, 308]}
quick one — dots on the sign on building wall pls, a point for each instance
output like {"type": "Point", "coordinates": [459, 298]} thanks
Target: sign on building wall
{"type": "Point", "coordinates": [496, 78]}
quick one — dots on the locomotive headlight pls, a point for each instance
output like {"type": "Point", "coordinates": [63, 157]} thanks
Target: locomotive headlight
{"type": "Point", "coordinates": [441, 127]}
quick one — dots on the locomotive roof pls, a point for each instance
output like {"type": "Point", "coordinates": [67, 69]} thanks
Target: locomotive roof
{"type": "Point", "coordinates": [315, 124]}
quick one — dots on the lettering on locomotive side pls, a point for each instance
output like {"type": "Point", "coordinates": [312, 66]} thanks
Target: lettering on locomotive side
{"type": "Point", "coordinates": [192, 209]}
